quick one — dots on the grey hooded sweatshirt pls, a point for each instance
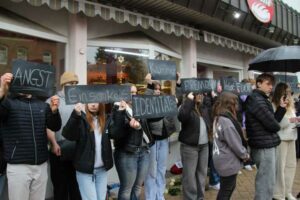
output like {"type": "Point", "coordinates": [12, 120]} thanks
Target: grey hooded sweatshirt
{"type": "Point", "coordinates": [228, 150]}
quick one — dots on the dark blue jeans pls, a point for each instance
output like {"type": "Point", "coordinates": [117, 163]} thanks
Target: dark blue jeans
{"type": "Point", "coordinates": [132, 169]}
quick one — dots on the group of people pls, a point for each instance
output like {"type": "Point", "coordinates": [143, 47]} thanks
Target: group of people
{"type": "Point", "coordinates": [211, 130]}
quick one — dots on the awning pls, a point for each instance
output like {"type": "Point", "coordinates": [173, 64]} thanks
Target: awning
{"type": "Point", "coordinates": [91, 9]}
{"type": "Point", "coordinates": [219, 40]}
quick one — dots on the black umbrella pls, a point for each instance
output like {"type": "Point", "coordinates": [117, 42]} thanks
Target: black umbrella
{"type": "Point", "coordinates": [280, 59]}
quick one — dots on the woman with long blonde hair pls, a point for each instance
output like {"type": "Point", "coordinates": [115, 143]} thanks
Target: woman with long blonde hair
{"type": "Point", "coordinates": [286, 151]}
{"type": "Point", "coordinates": [93, 155]}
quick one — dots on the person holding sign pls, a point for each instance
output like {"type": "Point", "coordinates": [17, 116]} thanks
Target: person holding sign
{"type": "Point", "coordinates": [161, 129]}
{"type": "Point", "coordinates": [262, 125]}
{"type": "Point", "coordinates": [62, 171]}
{"type": "Point", "coordinates": [132, 139]}
{"type": "Point", "coordinates": [93, 155]}
{"type": "Point", "coordinates": [228, 149]}
{"type": "Point", "coordinates": [195, 124]}
{"type": "Point", "coordinates": [24, 122]}
{"type": "Point", "coordinates": [286, 152]}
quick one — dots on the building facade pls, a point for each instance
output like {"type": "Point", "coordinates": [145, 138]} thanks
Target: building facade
{"type": "Point", "coordinates": [107, 42]}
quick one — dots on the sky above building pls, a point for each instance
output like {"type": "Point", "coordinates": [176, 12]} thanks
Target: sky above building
{"type": "Point", "coordinates": [293, 3]}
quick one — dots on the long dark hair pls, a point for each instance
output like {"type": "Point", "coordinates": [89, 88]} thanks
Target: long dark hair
{"type": "Point", "coordinates": [226, 103]}
{"type": "Point", "coordinates": [282, 89]}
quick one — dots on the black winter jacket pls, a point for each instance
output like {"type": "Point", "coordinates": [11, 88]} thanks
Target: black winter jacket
{"type": "Point", "coordinates": [168, 127]}
{"type": "Point", "coordinates": [78, 129]}
{"type": "Point", "coordinates": [2, 161]}
{"type": "Point", "coordinates": [125, 137]}
{"type": "Point", "coordinates": [24, 123]}
{"type": "Point", "coordinates": [190, 122]}
{"type": "Point", "coordinates": [261, 122]}
{"type": "Point", "coordinates": [168, 123]}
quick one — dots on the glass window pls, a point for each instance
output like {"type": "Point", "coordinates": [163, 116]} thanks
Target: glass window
{"type": "Point", "coordinates": [3, 54]}
{"type": "Point", "coordinates": [22, 53]}
{"type": "Point", "coordinates": [19, 46]}
{"type": "Point", "coordinates": [117, 66]}
{"type": "Point", "coordinates": [47, 57]}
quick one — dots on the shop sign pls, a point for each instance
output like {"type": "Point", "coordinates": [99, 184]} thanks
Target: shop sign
{"type": "Point", "coordinates": [263, 10]}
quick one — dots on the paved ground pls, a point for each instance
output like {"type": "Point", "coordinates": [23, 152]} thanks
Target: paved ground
{"type": "Point", "coordinates": [245, 187]}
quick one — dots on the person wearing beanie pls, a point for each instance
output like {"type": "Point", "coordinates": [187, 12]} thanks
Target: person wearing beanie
{"type": "Point", "coordinates": [62, 171]}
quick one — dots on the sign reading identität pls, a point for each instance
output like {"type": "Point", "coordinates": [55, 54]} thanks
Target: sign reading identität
{"type": "Point", "coordinates": [154, 106]}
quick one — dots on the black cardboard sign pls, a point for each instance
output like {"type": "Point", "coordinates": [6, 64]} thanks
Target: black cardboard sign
{"type": "Point", "coordinates": [290, 79]}
{"type": "Point", "coordinates": [154, 106]}
{"type": "Point", "coordinates": [162, 70]}
{"type": "Point", "coordinates": [198, 85]}
{"type": "Point", "coordinates": [231, 85]}
{"type": "Point", "coordinates": [33, 78]}
{"type": "Point", "coordinates": [97, 93]}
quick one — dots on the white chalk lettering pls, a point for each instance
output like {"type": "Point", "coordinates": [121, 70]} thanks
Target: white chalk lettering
{"type": "Point", "coordinates": [33, 77]}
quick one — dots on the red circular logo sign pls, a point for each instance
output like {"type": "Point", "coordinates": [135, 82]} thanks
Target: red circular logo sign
{"type": "Point", "coordinates": [263, 10]}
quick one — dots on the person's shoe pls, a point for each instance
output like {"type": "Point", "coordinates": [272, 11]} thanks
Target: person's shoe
{"type": "Point", "coordinates": [214, 187]}
{"type": "Point", "coordinates": [240, 172]}
{"type": "Point", "coordinates": [290, 197]}
{"type": "Point", "coordinates": [248, 167]}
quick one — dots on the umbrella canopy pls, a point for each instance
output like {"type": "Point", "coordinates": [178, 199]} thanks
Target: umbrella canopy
{"type": "Point", "coordinates": [280, 59]}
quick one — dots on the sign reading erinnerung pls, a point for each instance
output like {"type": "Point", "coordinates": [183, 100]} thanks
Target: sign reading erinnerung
{"type": "Point", "coordinates": [231, 85]}
{"type": "Point", "coordinates": [263, 10]}
{"type": "Point", "coordinates": [162, 70]}
{"type": "Point", "coordinates": [154, 106]}
{"type": "Point", "coordinates": [97, 93]}
{"type": "Point", "coordinates": [198, 85]}
{"type": "Point", "coordinates": [33, 78]}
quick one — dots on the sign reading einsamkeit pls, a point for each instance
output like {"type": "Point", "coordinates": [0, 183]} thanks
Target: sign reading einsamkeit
{"type": "Point", "coordinates": [97, 93]}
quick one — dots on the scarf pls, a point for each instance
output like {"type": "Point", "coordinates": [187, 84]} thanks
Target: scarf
{"type": "Point", "coordinates": [237, 126]}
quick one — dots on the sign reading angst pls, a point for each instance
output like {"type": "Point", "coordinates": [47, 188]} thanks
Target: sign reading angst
{"type": "Point", "coordinates": [162, 70]}
{"type": "Point", "coordinates": [97, 93]}
{"type": "Point", "coordinates": [33, 78]}
{"type": "Point", "coordinates": [153, 106]}
{"type": "Point", "coordinates": [198, 85]}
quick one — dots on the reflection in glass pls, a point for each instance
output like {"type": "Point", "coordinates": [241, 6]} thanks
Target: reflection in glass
{"type": "Point", "coordinates": [3, 54]}
{"type": "Point", "coordinates": [117, 66]}
{"type": "Point", "coordinates": [22, 53]}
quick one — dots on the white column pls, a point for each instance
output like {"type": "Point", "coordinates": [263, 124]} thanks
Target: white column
{"type": "Point", "coordinates": [188, 68]}
{"type": "Point", "coordinates": [77, 47]}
